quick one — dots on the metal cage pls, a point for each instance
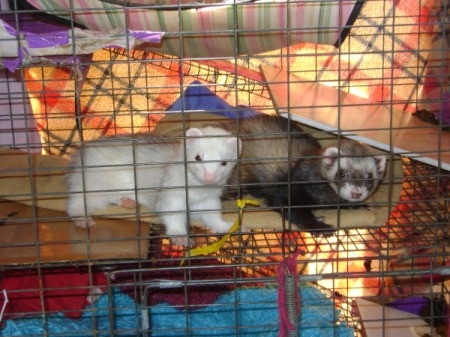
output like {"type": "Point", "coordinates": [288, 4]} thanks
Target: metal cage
{"type": "Point", "coordinates": [375, 71]}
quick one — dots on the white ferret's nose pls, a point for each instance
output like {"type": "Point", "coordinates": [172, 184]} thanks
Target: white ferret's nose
{"type": "Point", "coordinates": [209, 176]}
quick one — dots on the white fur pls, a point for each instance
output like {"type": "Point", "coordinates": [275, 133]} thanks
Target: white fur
{"type": "Point", "coordinates": [164, 177]}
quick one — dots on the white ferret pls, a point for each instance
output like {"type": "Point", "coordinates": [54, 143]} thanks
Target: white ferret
{"type": "Point", "coordinates": [159, 173]}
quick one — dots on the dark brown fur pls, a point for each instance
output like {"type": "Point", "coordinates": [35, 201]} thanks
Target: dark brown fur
{"type": "Point", "coordinates": [283, 164]}
{"type": "Point", "coordinates": [267, 149]}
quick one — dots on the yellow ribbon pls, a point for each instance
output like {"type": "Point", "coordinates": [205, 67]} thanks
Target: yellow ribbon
{"type": "Point", "coordinates": [214, 247]}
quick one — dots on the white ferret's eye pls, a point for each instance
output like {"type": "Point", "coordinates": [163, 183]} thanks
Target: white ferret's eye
{"type": "Point", "coordinates": [224, 163]}
{"type": "Point", "coordinates": [198, 158]}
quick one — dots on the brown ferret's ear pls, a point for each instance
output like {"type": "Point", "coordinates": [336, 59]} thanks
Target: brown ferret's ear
{"type": "Point", "coordinates": [380, 161]}
{"type": "Point", "coordinates": [330, 155]}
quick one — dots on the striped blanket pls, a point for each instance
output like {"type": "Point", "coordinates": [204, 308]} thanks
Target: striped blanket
{"type": "Point", "coordinates": [219, 29]}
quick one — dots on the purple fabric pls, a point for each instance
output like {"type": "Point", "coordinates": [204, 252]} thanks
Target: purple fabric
{"type": "Point", "coordinates": [10, 30]}
{"type": "Point", "coordinates": [32, 23]}
{"type": "Point", "coordinates": [11, 63]}
{"type": "Point", "coordinates": [43, 31]}
{"type": "Point", "coordinates": [413, 305]}
{"type": "Point", "coordinates": [51, 33]}
{"type": "Point", "coordinates": [445, 110]}
{"type": "Point", "coordinates": [150, 37]}
{"type": "Point", "coordinates": [47, 40]}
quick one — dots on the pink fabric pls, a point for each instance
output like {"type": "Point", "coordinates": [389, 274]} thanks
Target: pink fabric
{"type": "Point", "coordinates": [287, 267]}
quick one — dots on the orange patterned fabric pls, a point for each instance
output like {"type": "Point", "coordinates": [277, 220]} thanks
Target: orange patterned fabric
{"type": "Point", "coordinates": [118, 93]}
{"type": "Point", "coordinates": [383, 58]}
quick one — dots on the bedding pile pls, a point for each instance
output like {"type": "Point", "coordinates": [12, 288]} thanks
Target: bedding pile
{"type": "Point", "coordinates": [246, 312]}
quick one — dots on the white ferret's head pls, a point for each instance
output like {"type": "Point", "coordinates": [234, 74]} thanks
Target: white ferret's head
{"type": "Point", "coordinates": [212, 153]}
{"type": "Point", "coordinates": [352, 170]}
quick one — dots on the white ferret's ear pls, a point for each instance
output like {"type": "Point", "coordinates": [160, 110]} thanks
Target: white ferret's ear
{"type": "Point", "coordinates": [234, 141]}
{"type": "Point", "coordinates": [330, 154]}
{"type": "Point", "coordinates": [192, 132]}
{"type": "Point", "coordinates": [381, 165]}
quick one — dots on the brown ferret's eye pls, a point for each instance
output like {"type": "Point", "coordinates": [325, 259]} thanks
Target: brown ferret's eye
{"type": "Point", "coordinates": [343, 174]}
{"type": "Point", "coordinates": [368, 176]}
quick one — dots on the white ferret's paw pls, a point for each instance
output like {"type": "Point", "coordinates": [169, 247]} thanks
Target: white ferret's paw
{"type": "Point", "coordinates": [181, 240]}
{"type": "Point", "coordinates": [83, 222]}
{"type": "Point", "coordinates": [127, 202]}
{"type": "Point", "coordinates": [221, 227]}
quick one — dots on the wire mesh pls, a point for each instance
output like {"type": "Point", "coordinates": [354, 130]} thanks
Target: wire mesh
{"type": "Point", "coordinates": [121, 276]}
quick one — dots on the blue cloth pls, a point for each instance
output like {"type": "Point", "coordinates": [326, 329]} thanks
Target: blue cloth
{"type": "Point", "coordinates": [198, 97]}
{"type": "Point", "coordinates": [246, 312]}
